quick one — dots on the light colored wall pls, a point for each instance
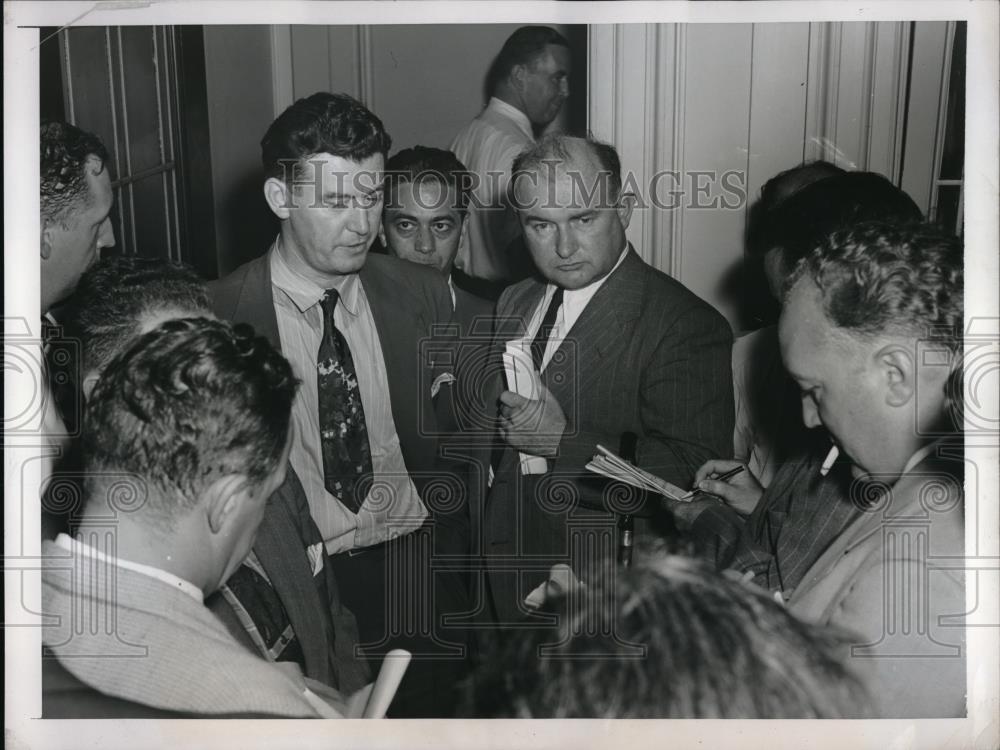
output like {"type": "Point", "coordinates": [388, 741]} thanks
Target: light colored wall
{"type": "Point", "coordinates": [424, 82]}
{"type": "Point", "coordinates": [240, 108]}
{"type": "Point", "coordinates": [753, 100]}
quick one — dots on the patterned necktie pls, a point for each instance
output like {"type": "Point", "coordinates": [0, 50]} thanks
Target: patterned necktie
{"type": "Point", "coordinates": [545, 329]}
{"type": "Point", "coordinates": [347, 455]}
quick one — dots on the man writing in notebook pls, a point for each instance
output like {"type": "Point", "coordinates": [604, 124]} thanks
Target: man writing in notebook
{"type": "Point", "coordinates": [620, 347]}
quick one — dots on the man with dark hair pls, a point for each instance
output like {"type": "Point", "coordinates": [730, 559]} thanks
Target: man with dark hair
{"type": "Point", "coordinates": [669, 639]}
{"type": "Point", "coordinates": [528, 83]}
{"type": "Point", "coordinates": [185, 437]}
{"type": "Point", "coordinates": [871, 331]}
{"type": "Point", "coordinates": [358, 329]}
{"type": "Point", "coordinates": [620, 348]}
{"type": "Point", "coordinates": [426, 216]}
{"type": "Point", "coordinates": [75, 200]}
{"type": "Point", "coordinates": [283, 601]}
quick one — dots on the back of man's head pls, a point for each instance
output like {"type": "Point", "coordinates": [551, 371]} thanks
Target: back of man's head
{"type": "Point", "coordinates": [64, 153]}
{"type": "Point", "coordinates": [120, 297]}
{"type": "Point", "coordinates": [805, 219]}
{"type": "Point", "coordinates": [188, 403]}
{"type": "Point", "coordinates": [323, 123]}
{"type": "Point", "coordinates": [421, 163]}
{"type": "Point", "coordinates": [523, 47]}
{"type": "Point", "coordinates": [671, 638]}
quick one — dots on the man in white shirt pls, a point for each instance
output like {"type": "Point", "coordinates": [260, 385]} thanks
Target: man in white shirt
{"type": "Point", "coordinates": [620, 347]}
{"type": "Point", "coordinates": [185, 437]}
{"type": "Point", "coordinates": [359, 330]}
{"type": "Point", "coordinates": [529, 83]}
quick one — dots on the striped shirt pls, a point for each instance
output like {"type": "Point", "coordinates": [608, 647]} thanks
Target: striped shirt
{"type": "Point", "coordinates": [798, 516]}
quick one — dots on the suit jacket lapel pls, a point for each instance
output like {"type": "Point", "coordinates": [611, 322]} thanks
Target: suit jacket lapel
{"type": "Point", "coordinates": [279, 548]}
{"type": "Point", "coordinates": [400, 352]}
{"type": "Point", "coordinates": [255, 304]}
{"type": "Point", "coordinates": [599, 331]}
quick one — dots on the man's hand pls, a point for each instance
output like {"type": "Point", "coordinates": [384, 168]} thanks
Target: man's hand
{"type": "Point", "coordinates": [742, 492]}
{"type": "Point", "coordinates": [530, 425]}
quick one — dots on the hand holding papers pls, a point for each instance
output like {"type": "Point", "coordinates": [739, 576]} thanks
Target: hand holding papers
{"type": "Point", "coordinates": [609, 465]}
{"type": "Point", "coordinates": [531, 420]}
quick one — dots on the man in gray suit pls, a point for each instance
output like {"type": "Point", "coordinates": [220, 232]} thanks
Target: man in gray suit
{"type": "Point", "coordinates": [620, 347]}
{"type": "Point", "coordinates": [185, 437]}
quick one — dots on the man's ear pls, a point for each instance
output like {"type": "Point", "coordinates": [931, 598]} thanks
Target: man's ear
{"type": "Point", "coordinates": [625, 206]}
{"type": "Point", "coordinates": [896, 365]}
{"type": "Point", "coordinates": [46, 240]}
{"type": "Point", "coordinates": [223, 499]}
{"type": "Point", "coordinates": [89, 381]}
{"type": "Point", "coordinates": [277, 195]}
{"type": "Point", "coordinates": [518, 74]}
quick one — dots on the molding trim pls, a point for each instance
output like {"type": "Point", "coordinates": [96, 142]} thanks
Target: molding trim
{"type": "Point", "coordinates": [942, 119]}
{"type": "Point", "coordinates": [677, 103]}
{"type": "Point", "coordinates": [365, 69]}
{"type": "Point", "coordinates": [902, 75]}
{"type": "Point", "coordinates": [282, 77]}
{"type": "Point", "coordinates": [867, 92]}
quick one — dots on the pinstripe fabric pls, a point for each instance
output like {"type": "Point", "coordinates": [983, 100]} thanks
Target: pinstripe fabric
{"type": "Point", "coordinates": [646, 356]}
{"type": "Point", "coordinates": [798, 516]}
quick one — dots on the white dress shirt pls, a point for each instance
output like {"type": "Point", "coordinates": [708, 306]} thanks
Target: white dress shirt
{"type": "Point", "coordinates": [82, 549]}
{"type": "Point", "coordinates": [300, 326]}
{"type": "Point", "coordinates": [574, 302]}
{"type": "Point", "coordinates": [487, 146]}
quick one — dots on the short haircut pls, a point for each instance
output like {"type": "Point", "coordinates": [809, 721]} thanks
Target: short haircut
{"type": "Point", "coordinates": [116, 293]}
{"type": "Point", "coordinates": [541, 157]}
{"type": "Point", "coordinates": [878, 278]}
{"type": "Point", "coordinates": [806, 218]}
{"type": "Point", "coordinates": [523, 47]}
{"type": "Point", "coordinates": [323, 123]}
{"type": "Point", "coordinates": [671, 638]}
{"type": "Point", "coordinates": [425, 163]}
{"type": "Point", "coordinates": [187, 403]}
{"type": "Point", "coordinates": [64, 151]}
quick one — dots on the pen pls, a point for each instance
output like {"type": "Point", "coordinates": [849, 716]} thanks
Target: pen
{"type": "Point", "coordinates": [721, 478]}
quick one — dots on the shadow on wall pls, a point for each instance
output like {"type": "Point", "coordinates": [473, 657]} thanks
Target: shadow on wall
{"type": "Point", "coordinates": [248, 223]}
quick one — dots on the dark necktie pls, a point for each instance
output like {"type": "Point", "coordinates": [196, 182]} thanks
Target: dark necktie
{"type": "Point", "coordinates": [347, 455]}
{"type": "Point", "coordinates": [537, 353]}
{"type": "Point", "coordinates": [545, 329]}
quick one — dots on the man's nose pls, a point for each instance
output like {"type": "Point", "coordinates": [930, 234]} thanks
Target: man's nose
{"type": "Point", "coordinates": [359, 221]}
{"type": "Point", "coordinates": [424, 241]}
{"type": "Point", "coordinates": [565, 246]}
{"type": "Point", "coordinates": [810, 414]}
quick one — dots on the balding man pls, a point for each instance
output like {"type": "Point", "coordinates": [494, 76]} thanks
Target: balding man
{"type": "Point", "coordinates": [621, 347]}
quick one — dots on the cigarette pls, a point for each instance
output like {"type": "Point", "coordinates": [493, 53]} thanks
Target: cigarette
{"type": "Point", "coordinates": [828, 462]}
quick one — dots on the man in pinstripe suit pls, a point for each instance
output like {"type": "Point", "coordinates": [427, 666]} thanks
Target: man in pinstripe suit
{"type": "Point", "coordinates": [620, 347]}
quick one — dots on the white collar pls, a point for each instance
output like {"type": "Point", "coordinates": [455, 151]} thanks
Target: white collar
{"type": "Point", "coordinates": [305, 292]}
{"type": "Point", "coordinates": [75, 546]}
{"type": "Point", "coordinates": [919, 456]}
{"type": "Point", "coordinates": [585, 293]}
{"type": "Point", "coordinates": [511, 113]}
